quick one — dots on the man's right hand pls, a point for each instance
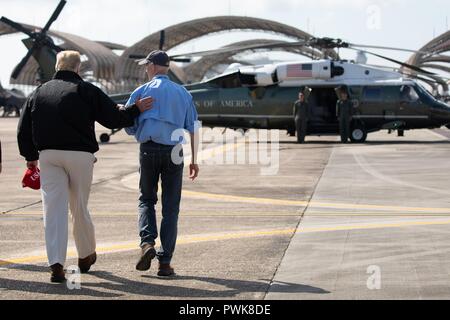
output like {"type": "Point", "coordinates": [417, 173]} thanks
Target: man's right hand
{"type": "Point", "coordinates": [32, 164]}
{"type": "Point", "coordinates": [144, 104]}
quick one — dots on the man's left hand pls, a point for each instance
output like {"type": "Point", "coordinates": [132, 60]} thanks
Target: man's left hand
{"type": "Point", "coordinates": [144, 104]}
{"type": "Point", "coordinates": [193, 171]}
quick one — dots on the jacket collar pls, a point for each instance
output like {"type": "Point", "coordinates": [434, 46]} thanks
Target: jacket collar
{"type": "Point", "coordinates": [67, 75]}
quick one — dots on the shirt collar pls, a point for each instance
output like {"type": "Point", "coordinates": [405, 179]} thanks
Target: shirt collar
{"type": "Point", "coordinates": [161, 76]}
{"type": "Point", "coordinates": [67, 75]}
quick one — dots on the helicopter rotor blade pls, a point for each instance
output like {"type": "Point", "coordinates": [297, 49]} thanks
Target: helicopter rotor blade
{"type": "Point", "coordinates": [17, 26]}
{"type": "Point", "coordinates": [54, 16]}
{"type": "Point", "coordinates": [403, 64]}
{"type": "Point", "coordinates": [273, 45]}
{"type": "Point", "coordinates": [388, 48]}
{"type": "Point", "coordinates": [49, 43]}
{"type": "Point", "coordinates": [183, 60]}
{"type": "Point", "coordinates": [162, 39]}
{"type": "Point", "coordinates": [138, 57]}
{"type": "Point", "coordinates": [23, 62]}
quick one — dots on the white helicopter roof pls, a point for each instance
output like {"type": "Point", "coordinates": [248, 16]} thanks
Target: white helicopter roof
{"type": "Point", "coordinates": [322, 72]}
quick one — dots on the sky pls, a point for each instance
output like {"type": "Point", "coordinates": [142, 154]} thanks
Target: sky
{"type": "Point", "coordinates": [399, 23]}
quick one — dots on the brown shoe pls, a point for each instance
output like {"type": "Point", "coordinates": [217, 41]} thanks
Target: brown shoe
{"type": "Point", "coordinates": [165, 270]}
{"type": "Point", "coordinates": [58, 274]}
{"type": "Point", "coordinates": [147, 255]}
{"type": "Point", "coordinates": [86, 263]}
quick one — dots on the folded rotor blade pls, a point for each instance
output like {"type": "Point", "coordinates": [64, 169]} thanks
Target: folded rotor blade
{"type": "Point", "coordinates": [17, 26]}
{"type": "Point", "coordinates": [403, 64]}
{"type": "Point", "coordinates": [387, 48]}
{"type": "Point", "coordinates": [273, 45]}
{"type": "Point", "coordinates": [162, 39]}
{"type": "Point", "coordinates": [54, 16]}
{"type": "Point", "coordinates": [22, 63]}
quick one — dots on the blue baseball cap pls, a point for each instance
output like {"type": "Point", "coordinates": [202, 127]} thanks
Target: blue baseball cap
{"type": "Point", "coordinates": [157, 57]}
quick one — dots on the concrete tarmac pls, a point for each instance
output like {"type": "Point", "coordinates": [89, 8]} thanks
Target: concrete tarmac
{"type": "Point", "coordinates": [313, 231]}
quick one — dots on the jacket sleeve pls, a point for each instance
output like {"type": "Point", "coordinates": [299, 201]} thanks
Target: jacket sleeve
{"type": "Point", "coordinates": [25, 133]}
{"type": "Point", "coordinates": [131, 130]}
{"type": "Point", "coordinates": [106, 111]}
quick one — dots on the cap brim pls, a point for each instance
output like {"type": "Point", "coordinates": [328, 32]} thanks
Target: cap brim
{"type": "Point", "coordinates": [142, 62]}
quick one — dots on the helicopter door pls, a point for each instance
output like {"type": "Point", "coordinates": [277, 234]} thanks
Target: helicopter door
{"type": "Point", "coordinates": [378, 106]}
{"type": "Point", "coordinates": [323, 106]}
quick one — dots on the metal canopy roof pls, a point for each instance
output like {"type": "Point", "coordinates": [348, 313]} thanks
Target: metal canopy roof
{"type": "Point", "coordinates": [183, 32]}
{"type": "Point", "coordinates": [434, 58]}
{"type": "Point", "coordinates": [101, 60]}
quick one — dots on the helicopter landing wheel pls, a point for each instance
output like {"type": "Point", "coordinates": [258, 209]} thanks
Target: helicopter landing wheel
{"type": "Point", "coordinates": [401, 133]}
{"type": "Point", "coordinates": [358, 134]}
{"type": "Point", "coordinates": [105, 138]}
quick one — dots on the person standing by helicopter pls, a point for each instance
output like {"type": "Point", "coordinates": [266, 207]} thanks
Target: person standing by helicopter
{"type": "Point", "coordinates": [301, 115]}
{"type": "Point", "coordinates": [344, 113]}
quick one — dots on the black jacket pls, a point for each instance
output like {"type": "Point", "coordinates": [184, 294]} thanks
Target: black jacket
{"type": "Point", "coordinates": [61, 115]}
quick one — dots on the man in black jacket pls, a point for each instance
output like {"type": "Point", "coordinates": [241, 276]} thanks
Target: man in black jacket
{"type": "Point", "coordinates": [57, 127]}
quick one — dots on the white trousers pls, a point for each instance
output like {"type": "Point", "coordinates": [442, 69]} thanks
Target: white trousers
{"type": "Point", "coordinates": [66, 177]}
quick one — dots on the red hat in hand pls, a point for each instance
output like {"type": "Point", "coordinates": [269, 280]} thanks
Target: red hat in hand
{"type": "Point", "coordinates": [32, 179]}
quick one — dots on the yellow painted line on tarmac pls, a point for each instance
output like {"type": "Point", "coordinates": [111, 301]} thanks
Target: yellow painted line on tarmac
{"type": "Point", "coordinates": [374, 226]}
{"type": "Point", "coordinates": [375, 214]}
{"type": "Point", "coordinates": [128, 246]}
{"type": "Point", "coordinates": [224, 197]}
{"type": "Point", "coordinates": [257, 214]}
{"type": "Point", "coordinates": [312, 204]}
{"type": "Point", "coordinates": [233, 213]}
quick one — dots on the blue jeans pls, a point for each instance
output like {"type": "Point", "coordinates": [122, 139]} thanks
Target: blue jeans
{"type": "Point", "coordinates": [156, 162]}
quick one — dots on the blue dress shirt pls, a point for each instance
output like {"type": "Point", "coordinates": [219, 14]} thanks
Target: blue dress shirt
{"type": "Point", "coordinates": [173, 112]}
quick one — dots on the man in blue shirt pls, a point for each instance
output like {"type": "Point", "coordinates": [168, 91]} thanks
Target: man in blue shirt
{"type": "Point", "coordinates": [160, 132]}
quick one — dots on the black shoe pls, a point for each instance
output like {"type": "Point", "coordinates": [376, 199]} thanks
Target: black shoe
{"type": "Point", "coordinates": [58, 274]}
{"type": "Point", "coordinates": [165, 270]}
{"type": "Point", "coordinates": [147, 255]}
{"type": "Point", "coordinates": [86, 263]}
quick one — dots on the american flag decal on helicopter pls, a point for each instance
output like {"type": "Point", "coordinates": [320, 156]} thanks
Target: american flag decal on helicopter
{"type": "Point", "coordinates": [300, 70]}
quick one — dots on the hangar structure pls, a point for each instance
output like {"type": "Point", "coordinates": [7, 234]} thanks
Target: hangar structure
{"type": "Point", "coordinates": [181, 33]}
{"type": "Point", "coordinates": [432, 57]}
{"type": "Point", "coordinates": [104, 65]}
{"type": "Point", "coordinates": [120, 73]}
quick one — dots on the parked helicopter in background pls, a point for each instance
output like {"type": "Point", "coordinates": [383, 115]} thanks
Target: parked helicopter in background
{"type": "Point", "coordinates": [11, 101]}
{"type": "Point", "coordinates": [263, 97]}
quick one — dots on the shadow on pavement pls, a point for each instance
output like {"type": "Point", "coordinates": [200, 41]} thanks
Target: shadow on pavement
{"type": "Point", "coordinates": [114, 286]}
{"type": "Point", "coordinates": [47, 288]}
{"type": "Point", "coordinates": [233, 287]}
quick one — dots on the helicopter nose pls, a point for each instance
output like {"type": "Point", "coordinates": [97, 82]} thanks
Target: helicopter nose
{"type": "Point", "coordinates": [441, 112]}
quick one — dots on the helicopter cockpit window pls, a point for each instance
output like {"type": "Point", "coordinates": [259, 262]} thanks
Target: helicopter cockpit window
{"type": "Point", "coordinates": [425, 93]}
{"type": "Point", "coordinates": [228, 81]}
{"type": "Point", "coordinates": [408, 94]}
